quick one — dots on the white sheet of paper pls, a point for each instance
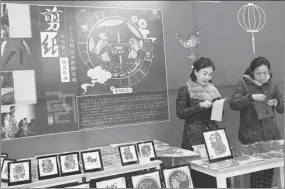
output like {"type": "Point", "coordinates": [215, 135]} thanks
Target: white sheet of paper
{"type": "Point", "coordinates": [217, 110]}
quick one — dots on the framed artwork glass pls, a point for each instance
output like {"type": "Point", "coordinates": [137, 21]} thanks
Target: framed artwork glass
{"type": "Point", "coordinates": [147, 180]}
{"type": "Point", "coordinates": [4, 169]}
{"type": "Point", "coordinates": [178, 177]}
{"type": "Point", "coordinates": [217, 145]}
{"type": "Point", "coordinates": [69, 163]}
{"type": "Point", "coordinates": [92, 160]}
{"type": "Point", "coordinates": [109, 182]}
{"type": "Point", "coordinates": [47, 167]}
{"type": "Point", "coordinates": [19, 172]}
{"type": "Point", "coordinates": [147, 149]}
{"type": "Point", "coordinates": [128, 154]}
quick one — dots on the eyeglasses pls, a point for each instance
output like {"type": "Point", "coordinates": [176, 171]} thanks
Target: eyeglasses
{"type": "Point", "coordinates": [259, 74]}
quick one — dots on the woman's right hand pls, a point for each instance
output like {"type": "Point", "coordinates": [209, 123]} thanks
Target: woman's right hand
{"type": "Point", "coordinates": [206, 104]}
{"type": "Point", "coordinates": [259, 97]}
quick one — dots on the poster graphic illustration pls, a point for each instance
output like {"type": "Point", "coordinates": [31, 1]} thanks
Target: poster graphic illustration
{"type": "Point", "coordinates": [121, 53]}
{"type": "Point", "coordinates": [79, 64]}
{"type": "Point", "coordinates": [118, 48]}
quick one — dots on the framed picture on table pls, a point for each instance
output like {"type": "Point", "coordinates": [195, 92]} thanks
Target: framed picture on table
{"type": "Point", "coordinates": [115, 181]}
{"type": "Point", "coordinates": [128, 154]}
{"type": "Point", "coordinates": [217, 145]}
{"type": "Point", "coordinates": [19, 172]}
{"type": "Point", "coordinates": [178, 177]}
{"type": "Point", "coordinates": [4, 169]}
{"type": "Point", "coordinates": [69, 163]}
{"type": "Point", "coordinates": [47, 167]}
{"type": "Point", "coordinates": [147, 180]}
{"type": "Point", "coordinates": [147, 149]}
{"type": "Point", "coordinates": [92, 160]}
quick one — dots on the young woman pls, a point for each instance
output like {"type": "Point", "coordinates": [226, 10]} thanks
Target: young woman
{"type": "Point", "coordinates": [257, 122]}
{"type": "Point", "coordinates": [193, 103]}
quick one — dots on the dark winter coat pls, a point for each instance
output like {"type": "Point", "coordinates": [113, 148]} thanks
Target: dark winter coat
{"type": "Point", "coordinates": [197, 118]}
{"type": "Point", "coordinates": [251, 128]}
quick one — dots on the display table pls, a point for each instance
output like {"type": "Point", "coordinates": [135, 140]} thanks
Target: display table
{"type": "Point", "coordinates": [257, 160]}
{"type": "Point", "coordinates": [229, 172]}
{"type": "Point", "coordinates": [108, 171]}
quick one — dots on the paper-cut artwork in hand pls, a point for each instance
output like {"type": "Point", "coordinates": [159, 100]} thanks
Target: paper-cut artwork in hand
{"type": "Point", "coordinates": [263, 110]}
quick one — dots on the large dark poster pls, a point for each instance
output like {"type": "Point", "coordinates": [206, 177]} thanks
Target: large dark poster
{"type": "Point", "coordinates": [73, 68]}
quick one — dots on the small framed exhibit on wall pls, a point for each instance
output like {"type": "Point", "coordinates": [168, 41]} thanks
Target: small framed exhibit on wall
{"type": "Point", "coordinates": [116, 181]}
{"type": "Point", "coordinates": [4, 169]}
{"type": "Point", "coordinates": [19, 172]}
{"type": "Point", "coordinates": [147, 180]}
{"type": "Point", "coordinates": [92, 160]}
{"type": "Point", "coordinates": [178, 177]}
{"type": "Point", "coordinates": [128, 154]}
{"type": "Point", "coordinates": [217, 145]}
{"type": "Point", "coordinates": [4, 155]}
{"type": "Point", "coordinates": [147, 149]}
{"type": "Point", "coordinates": [69, 163]}
{"type": "Point", "coordinates": [2, 160]}
{"type": "Point", "coordinates": [47, 167]}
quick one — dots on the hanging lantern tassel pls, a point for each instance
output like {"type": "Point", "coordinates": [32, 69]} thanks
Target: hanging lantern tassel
{"type": "Point", "coordinates": [252, 19]}
{"type": "Point", "coordinates": [253, 43]}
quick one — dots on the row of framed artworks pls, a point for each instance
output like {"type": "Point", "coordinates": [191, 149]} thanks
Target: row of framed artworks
{"type": "Point", "coordinates": [17, 172]}
{"type": "Point", "coordinates": [65, 164]}
{"type": "Point", "coordinates": [173, 177]}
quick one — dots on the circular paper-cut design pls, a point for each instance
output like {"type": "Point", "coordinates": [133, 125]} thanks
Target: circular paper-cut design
{"type": "Point", "coordinates": [147, 182]}
{"type": "Point", "coordinates": [179, 179]}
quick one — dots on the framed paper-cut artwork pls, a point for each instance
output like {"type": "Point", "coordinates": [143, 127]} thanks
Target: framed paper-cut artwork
{"type": "Point", "coordinates": [19, 172]}
{"type": "Point", "coordinates": [47, 167]}
{"type": "Point", "coordinates": [217, 145]}
{"type": "Point", "coordinates": [4, 169]}
{"type": "Point", "coordinates": [178, 177]}
{"type": "Point", "coordinates": [69, 164]}
{"type": "Point", "coordinates": [128, 154]}
{"type": "Point", "coordinates": [147, 180]}
{"type": "Point", "coordinates": [147, 149]}
{"type": "Point", "coordinates": [92, 160]}
{"type": "Point", "coordinates": [109, 182]}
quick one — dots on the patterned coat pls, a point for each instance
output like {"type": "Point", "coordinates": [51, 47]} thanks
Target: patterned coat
{"type": "Point", "coordinates": [197, 119]}
{"type": "Point", "coordinates": [251, 128]}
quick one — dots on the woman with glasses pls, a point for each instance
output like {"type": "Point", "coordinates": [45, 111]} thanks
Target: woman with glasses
{"type": "Point", "coordinates": [257, 98]}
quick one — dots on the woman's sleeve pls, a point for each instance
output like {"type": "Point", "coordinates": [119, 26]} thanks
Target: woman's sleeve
{"type": "Point", "coordinates": [239, 99]}
{"type": "Point", "coordinates": [280, 99]}
{"type": "Point", "coordinates": [183, 108]}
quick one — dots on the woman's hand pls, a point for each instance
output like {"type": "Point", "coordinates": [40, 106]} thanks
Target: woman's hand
{"type": "Point", "coordinates": [206, 104]}
{"type": "Point", "coordinates": [259, 97]}
{"type": "Point", "coordinates": [272, 102]}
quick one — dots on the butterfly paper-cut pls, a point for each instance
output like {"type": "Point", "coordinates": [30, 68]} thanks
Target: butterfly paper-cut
{"type": "Point", "coordinates": [11, 48]}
